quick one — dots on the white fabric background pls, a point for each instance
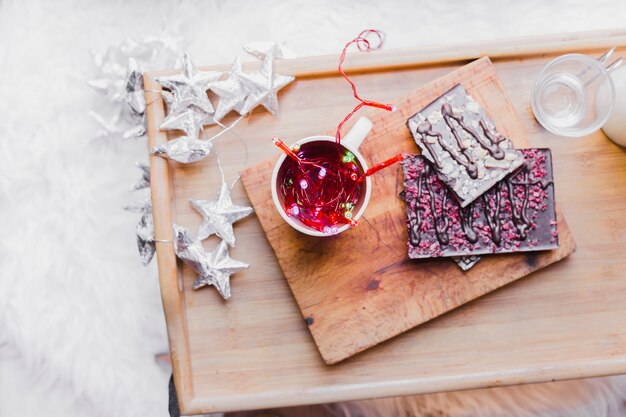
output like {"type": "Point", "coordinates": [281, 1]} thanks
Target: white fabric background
{"type": "Point", "coordinates": [80, 318]}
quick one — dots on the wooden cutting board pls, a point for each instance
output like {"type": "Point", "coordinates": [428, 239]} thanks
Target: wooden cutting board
{"type": "Point", "coordinates": [359, 288]}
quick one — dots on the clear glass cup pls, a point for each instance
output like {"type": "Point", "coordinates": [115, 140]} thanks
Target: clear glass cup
{"type": "Point", "coordinates": [573, 96]}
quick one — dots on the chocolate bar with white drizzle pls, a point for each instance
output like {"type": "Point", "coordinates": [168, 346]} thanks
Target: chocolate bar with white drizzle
{"type": "Point", "coordinates": [461, 141]}
{"type": "Point", "coordinates": [517, 214]}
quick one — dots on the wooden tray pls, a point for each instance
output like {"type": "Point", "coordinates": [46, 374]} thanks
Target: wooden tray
{"type": "Point", "coordinates": [360, 288]}
{"type": "Point", "coordinates": [256, 351]}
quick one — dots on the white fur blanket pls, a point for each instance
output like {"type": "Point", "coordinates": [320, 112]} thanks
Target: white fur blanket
{"type": "Point", "coordinates": [80, 318]}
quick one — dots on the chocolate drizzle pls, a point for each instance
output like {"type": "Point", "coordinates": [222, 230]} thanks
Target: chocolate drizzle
{"type": "Point", "coordinates": [463, 156]}
{"type": "Point", "coordinates": [491, 145]}
{"type": "Point", "coordinates": [492, 214]}
{"type": "Point", "coordinates": [441, 223]}
{"type": "Point", "coordinates": [425, 129]}
{"type": "Point", "coordinates": [520, 217]}
{"type": "Point", "coordinates": [414, 231]}
{"type": "Point", "coordinates": [467, 223]}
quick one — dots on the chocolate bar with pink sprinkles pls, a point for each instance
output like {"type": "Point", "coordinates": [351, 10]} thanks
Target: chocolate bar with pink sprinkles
{"type": "Point", "coordinates": [517, 214]}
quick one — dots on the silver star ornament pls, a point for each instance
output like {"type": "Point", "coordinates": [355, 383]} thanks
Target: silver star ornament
{"type": "Point", "coordinates": [135, 97]}
{"type": "Point", "coordinates": [213, 268]}
{"type": "Point", "coordinates": [145, 237]}
{"type": "Point", "coordinates": [144, 229]}
{"type": "Point", "coordinates": [231, 91]}
{"type": "Point", "coordinates": [219, 215]}
{"type": "Point", "coordinates": [119, 79]}
{"type": "Point", "coordinates": [190, 120]}
{"type": "Point", "coordinates": [190, 86]}
{"type": "Point", "coordinates": [127, 119]}
{"type": "Point", "coordinates": [185, 149]}
{"type": "Point", "coordinates": [263, 86]}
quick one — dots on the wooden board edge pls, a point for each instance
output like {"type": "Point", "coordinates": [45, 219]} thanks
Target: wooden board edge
{"type": "Point", "coordinates": [428, 385]}
{"type": "Point", "coordinates": [386, 59]}
{"type": "Point", "coordinates": [172, 293]}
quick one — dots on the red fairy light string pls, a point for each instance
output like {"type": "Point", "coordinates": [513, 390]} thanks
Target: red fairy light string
{"type": "Point", "coordinates": [295, 157]}
{"type": "Point", "coordinates": [322, 186]}
{"type": "Point", "coordinates": [364, 45]}
{"type": "Point", "coordinates": [318, 188]}
{"type": "Point", "coordinates": [382, 165]}
{"type": "Point", "coordinates": [286, 149]}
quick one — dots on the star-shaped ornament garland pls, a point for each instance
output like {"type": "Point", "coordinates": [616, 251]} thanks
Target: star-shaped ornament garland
{"type": "Point", "coordinates": [145, 236]}
{"type": "Point", "coordinates": [190, 120]}
{"type": "Point", "coordinates": [213, 268]}
{"type": "Point", "coordinates": [219, 215]}
{"type": "Point", "coordinates": [185, 149]}
{"type": "Point", "coordinates": [129, 118]}
{"type": "Point", "coordinates": [135, 97]}
{"type": "Point", "coordinates": [189, 108]}
{"type": "Point", "coordinates": [231, 91]}
{"type": "Point", "coordinates": [263, 86]}
{"type": "Point", "coordinates": [190, 86]}
{"type": "Point", "coordinates": [144, 230]}
{"type": "Point", "coordinates": [119, 78]}
{"type": "Point", "coordinates": [189, 147]}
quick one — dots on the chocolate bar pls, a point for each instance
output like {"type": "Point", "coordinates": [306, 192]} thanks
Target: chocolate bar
{"type": "Point", "coordinates": [466, 262]}
{"type": "Point", "coordinates": [517, 214]}
{"type": "Point", "coordinates": [461, 141]}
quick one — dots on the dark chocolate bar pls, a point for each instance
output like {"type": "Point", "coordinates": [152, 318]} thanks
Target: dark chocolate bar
{"type": "Point", "coordinates": [461, 141]}
{"type": "Point", "coordinates": [466, 262]}
{"type": "Point", "coordinates": [517, 214]}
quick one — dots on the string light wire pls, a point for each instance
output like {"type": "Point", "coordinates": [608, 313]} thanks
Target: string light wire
{"type": "Point", "coordinates": [322, 188]}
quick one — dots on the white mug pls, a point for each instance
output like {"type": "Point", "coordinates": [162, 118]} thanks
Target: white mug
{"type": "Point", "coordinates": [615, 127]}
{"type": "Point", "coordinates": [351, 142]}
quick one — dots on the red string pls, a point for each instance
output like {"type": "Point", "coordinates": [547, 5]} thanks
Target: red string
{"type": "Point", "coordinates": [286, 149]}
{"type": "Point", "coordinates": [364, 45]}
{"type": "Point", "coordinates": [382, 165]}
{"type": "Point", "coordinates": [276, 140]}
{"type": "Point", "coordinates": [320, 188]}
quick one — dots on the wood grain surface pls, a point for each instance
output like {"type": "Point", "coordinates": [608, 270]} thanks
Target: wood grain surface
{"type": "Point", "coordinates": [359, 288]}
{"type": "Point", "coordinates": [255, 351]}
